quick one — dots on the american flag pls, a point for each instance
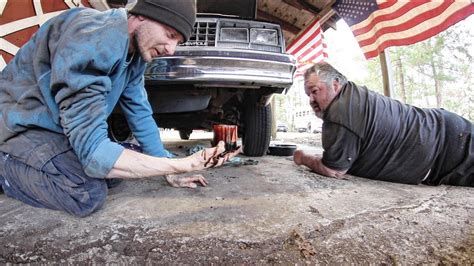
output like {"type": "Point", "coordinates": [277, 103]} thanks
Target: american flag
{"type": "Point", "coordinates": [380, 24]}
{"type": "Point", "coordinates": [308, 48]}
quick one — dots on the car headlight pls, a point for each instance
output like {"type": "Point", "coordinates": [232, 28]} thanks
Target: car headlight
{"type": "Point", "coordinates": [234, 35]}
{"type": "Point", "coordinates": [264, 36]}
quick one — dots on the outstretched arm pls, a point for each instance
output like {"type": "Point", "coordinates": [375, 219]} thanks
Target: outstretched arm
{"type": "Point", "coordinates": [314, 163]}
{"type": "Point", "coordinates": [131, 164]}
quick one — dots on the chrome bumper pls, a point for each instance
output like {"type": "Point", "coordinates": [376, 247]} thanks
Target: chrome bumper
{"type": "Point", "coordinates": [222, 68]}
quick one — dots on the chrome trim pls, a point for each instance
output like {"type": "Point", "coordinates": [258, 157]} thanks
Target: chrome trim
{"type": "Point", "coordinates": [180, 50]}
{"type": "Point", "coordinates": [222, 70]}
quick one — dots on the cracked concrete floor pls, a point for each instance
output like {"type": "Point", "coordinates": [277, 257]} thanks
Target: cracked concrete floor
{"type": "Point", "coordinates": [274, 212]}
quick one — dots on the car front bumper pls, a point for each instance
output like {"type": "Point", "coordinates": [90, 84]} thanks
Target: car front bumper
{"type": "Point", "coordinates": [222, 68]}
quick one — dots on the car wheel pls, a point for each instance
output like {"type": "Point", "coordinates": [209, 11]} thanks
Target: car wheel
{"type": "Point", "coordinates": [118, 128]}
{"type": "Point", "coordinates": [185, 134]}
{"type": "Point", "coordinates": [257, 129]}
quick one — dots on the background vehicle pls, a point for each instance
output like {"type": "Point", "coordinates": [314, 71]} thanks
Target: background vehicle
{"type": "Point", "coordinates": [306, 121]}
{"type": "Point", "coordinates": [225, 74]}
{"type": "Point", "coordinates": [282, 128]}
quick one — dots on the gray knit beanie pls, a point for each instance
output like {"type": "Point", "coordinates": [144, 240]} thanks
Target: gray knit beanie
{"type": "Point", "coordinates": [178, 14]}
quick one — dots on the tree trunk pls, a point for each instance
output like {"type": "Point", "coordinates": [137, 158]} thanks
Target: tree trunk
{"type": "Point", "coordinates": [401, 79]}
{"type": "Point", "coordinates": [439, 100]}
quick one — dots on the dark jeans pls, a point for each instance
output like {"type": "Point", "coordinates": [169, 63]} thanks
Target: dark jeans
{"type": "Point", "coordinates": [41, 169]}
{"type": "Point", "coordinates": [455, 164]}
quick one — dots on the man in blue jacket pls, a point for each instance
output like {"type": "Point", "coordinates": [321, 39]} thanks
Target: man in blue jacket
{"type": "Point", "coordinates": [57, 92]}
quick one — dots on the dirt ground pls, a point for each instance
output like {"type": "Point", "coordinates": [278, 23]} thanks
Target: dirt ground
{"type": "Point", "coordinates": [270, 213]}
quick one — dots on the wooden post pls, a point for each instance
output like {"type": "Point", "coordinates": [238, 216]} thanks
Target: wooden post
{"type": "Point", "coordinates": [274, 126]}
{"type": "Point", "coordinates": [386, 73]}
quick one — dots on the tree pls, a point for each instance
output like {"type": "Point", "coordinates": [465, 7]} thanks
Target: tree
{"type": "Point", "coordinates": [438, 69]}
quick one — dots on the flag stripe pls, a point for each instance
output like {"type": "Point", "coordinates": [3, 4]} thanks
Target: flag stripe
{"type": "Point", "coordinates": [378, 24]}
{"type": "Point", "coordinates": [368, 22]}
{"type": "Point", "coordinates": [314, 42]}
{"type": "Point", "coordinates": [311, 32]}
{"type": "Point", "coordinates": [382, 18]}
{"type": "Point", "coordinates": [387, 4]}
{"type": "Point", "coordinates": [405, 22]}
{"type": "Point", "coordinates": [459, 15]}
{"type": "Point", "coordinates": [310, 53]}
{"type": "Point", "coordinates": [320, 57]}
{"type": "Point", "coordinates": [308, 29]}
{"type": "Point", "coordinates": [308, 48]}
{"type": "Point", "coordinates": [419, 32]}
{"type": "Point", "coordinates": [305, 67]}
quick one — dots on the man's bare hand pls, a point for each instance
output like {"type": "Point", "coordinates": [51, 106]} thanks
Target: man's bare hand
{"type": "Point", "coordinates": [132, 164]}
{"type": "Point", "coordinates": [213, 157]}
{"type": "Point", "coordinates": [315, 163]}
{"type": "Point", "coordinates": [298, 157]}
{"type": "Point", "coordinates": [188, 181]}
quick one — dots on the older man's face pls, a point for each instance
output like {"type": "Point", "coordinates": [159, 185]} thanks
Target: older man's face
{"type": "Point", "coordinates": [154, 39]}
{"type": "Point", "coordinates": [320, 95]}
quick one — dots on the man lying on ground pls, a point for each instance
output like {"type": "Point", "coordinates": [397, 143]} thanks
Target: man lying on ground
{"type": "Point", "coordinates": [373, 136]}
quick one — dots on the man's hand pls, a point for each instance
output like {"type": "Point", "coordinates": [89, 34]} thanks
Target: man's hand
{"type": "Point", "coordinates": [298, 157]}
{"type": "Point", "coordinates": [212, 157]}
{"type": "Point", "coordinates": [132, 164]}
{"type": "Point", "coordinates": [315, 163]}
{"type": "Point", "coordinates": [188, 181]}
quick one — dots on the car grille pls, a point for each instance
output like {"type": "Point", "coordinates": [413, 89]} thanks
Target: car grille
{"type": "Point", "coordinates": [204, 35]}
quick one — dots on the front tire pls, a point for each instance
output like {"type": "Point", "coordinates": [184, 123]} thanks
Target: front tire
{"type": "Point", "coordinates": [257, 129]}
{"type": "Point", "coordinates": [118, 128]}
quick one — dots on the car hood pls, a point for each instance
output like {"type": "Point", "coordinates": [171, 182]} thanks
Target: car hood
{"type": "Point", "coordinates": [243, 8]}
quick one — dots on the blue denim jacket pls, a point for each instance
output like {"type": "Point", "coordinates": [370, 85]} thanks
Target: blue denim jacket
{"type": "Point", "coordinates": [68, 78]}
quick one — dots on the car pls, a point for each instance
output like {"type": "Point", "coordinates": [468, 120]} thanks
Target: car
{"type": "Point", "coordinates": [305, 120]}
{"type": "Point", "coordinates": [226, 73]}
{"type": "Point", "coordinates": [301, 129]}
{"type": "Point", "coordinates": [282, 128]}
{"type": "Point", "coordinates": [316, 126]}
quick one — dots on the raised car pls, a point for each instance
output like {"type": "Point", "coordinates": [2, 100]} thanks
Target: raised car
{"type": "Point", "coordinates": [225, 74]}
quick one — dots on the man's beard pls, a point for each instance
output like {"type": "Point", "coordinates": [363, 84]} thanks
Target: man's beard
{"type": "Point", "coordinates": [146, 57]}
{"type": "Point", "coordinates": [319, 113]}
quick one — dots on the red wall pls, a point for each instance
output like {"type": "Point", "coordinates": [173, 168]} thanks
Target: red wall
{"type": "Point", "coordinates": [18, 10]}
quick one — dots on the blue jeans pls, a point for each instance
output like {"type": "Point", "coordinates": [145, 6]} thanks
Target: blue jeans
{"type": "Point", "coordinates": [40, 168]}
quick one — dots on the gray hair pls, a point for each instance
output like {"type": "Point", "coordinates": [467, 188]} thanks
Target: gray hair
{"type": "Point", "coordinates": [326, 73]}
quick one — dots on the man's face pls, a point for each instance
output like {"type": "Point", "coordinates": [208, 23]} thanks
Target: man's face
{"type": "Point", "coordinates": [154, 39]}
{"type": "Point", "coordinates": [320, 95]}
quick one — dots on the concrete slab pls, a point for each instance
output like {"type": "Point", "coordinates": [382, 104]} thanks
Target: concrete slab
{"type": "Point", "coordinates": [273, 212]}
